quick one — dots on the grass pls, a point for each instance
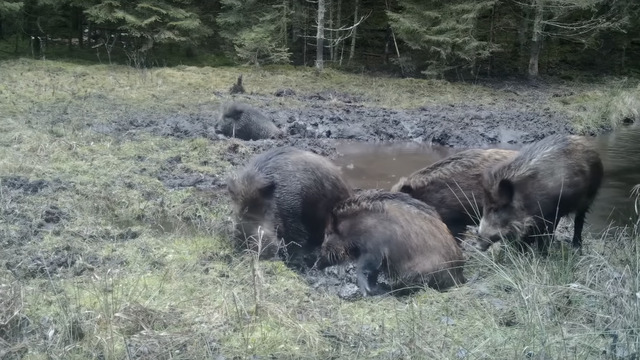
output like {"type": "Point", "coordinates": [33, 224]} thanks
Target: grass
{"type": "Point", "coordinates": [614, 104]}
{"type": "Point", "coordinates": [101, 259]}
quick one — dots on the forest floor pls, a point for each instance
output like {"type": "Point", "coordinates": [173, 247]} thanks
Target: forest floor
{"type": "Point", "coordinates": [114, 221]}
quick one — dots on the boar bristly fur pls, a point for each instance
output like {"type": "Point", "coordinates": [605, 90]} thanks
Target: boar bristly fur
{"type": "Point", "coordinates": [287, 194]}
{"type": "Point", "coordinates": [396, 234]}
{"type": "Point", "coordinates": [453, 185]}
{"type": "Point", "coordinates": [526, 197]}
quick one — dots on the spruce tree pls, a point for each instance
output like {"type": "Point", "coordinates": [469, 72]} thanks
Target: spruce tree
{"type": "Point", "coordinates": [257, 29]}
{"type": "Point", "coordinates": [147, 22]}
{"type": "Point", "coordinates": [444, 30]}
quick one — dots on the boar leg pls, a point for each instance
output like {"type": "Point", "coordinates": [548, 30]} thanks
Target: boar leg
{"type": "Point", "coordinates": [367, 273]}
{"type": "Point", "coordinates": [577, 229]}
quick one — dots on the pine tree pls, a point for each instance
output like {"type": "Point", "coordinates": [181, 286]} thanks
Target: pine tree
{"type": "Point", "coordinates": [147, 22]}
{"type": "Point", "coordinates": [9, 7]}
{"type": "Point", "coordinates": [8, 10]}
{"type": "Point", "coordinates": [445, 30]}
{"type": "Point", "coordinates": [257, 29]}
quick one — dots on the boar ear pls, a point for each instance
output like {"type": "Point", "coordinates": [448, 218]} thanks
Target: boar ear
{"type": "Point", "coordinates": [267, 190]}
{"type": "Point", "coordinates": [332, 223]}
{"type": "Point", "coordinates": [505, 191]}
{"type": "Point", "coordinates": [407, 189]}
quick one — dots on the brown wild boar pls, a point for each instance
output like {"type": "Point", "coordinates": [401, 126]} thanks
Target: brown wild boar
{"type": "Point", "coordinates": [245, 122]}
{"type": "Point", "coordinates": [393, 233]}
{"type": "Point", "coordinates": [526, 197]}
{"type": "Point", "coordinates": [453, 186]}
{"type": "Point", "coordinates": [288, 194]}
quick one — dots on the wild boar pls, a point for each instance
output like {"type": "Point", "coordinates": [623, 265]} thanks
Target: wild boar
{"type": "Point", "coordinates": [453, 186]}
{"type": "Point", "coordinates": [527, 196]}
{"type": "Point", "coordinates": [393, 233]}
{"type": "Point", "coordinates": [245, 122]}
{"type": "Point", "coordinates": [285, 193]}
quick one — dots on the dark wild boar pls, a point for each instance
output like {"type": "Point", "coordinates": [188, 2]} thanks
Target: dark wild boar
{"type": "Point", "coordinates": [453, 186]}
{"type": "Point", "coordinates": [288, 194]}
{"type": "Point", "coordinates": [396, 234]}
{"type": "Point", "coordinates": [245, 122]}
{"type": "Point", "coordinates": [526, 197]}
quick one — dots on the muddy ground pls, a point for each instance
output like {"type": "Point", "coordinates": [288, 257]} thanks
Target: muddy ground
{"type": "Point", "coordinates": [322, 121]}
{"type": "Point", "coordinates": [330, 117]}
{"type": "Point", "coordinates": [114, 221]}
{"type": "Point", "coordinates": [521, 117]}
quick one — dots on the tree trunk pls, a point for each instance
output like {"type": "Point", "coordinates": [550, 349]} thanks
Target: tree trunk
{"type": "Point", "coordinates": [80, 29]}
{"type": "Point", "coordinates": [320, 36]}
{"type": "Point", "coordinates": [387, 40]}
{"type": "Point", "coordinates": [331, 32]}
{"type": "Point", "coordinates": [89, 33]}
{"type": "Point", "coordinates": [285, 14]}
{"type": "Point", "coordinates": [624, 55]}
{"type": "Point", "coordinates": [355, 30]}
{"type": "Point", "coordinates": [522, 40]}
{"type": "Point", "coordinates": [70, 23]}
{"type": "Point", "coordinates": [338, 24]}
{"type": "Point", "coordinates": [304, 38]}
{"type": "Point", "coordinates": [491, 38]}
{"type": "Point", "coordinates": [536, 39]}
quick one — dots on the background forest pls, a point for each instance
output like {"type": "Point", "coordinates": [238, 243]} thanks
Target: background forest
{"type": "Point", "coordinates": [115, 219]}
{"type": "Point", "coordinates": [459, 39]}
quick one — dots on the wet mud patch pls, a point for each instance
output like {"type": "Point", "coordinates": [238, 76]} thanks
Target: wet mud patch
{"type": "Point", "coordinates": [174, 174]}
{"type": "Point", "coordinates": [335, 116]}
{"type": "Point", "coordinates": [338, 280]}
{"type": "Point", "coordinates": [63, 261]}
{"type": "Point", "coordinates": [28, 209]}
{"type": "Point", "coordinates": [42, 265]}
{"type": "Point", "coordinates": [333, 95]}
{"type": "Point", "coordinates": [448, 125]}
{"type": "Point", "coordinates": [30, 187]}
{"type": "Point", "coordinates": [181, 125]}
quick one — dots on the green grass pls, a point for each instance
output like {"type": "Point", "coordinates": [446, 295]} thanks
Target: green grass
{"type": "Point", "coordinates": [133, 269]}
{"type": "Point", "coordinates": [607, 106]}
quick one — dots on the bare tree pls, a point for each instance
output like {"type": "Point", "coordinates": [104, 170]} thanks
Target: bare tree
{"type": "Point", "coordinates": [338, 24]}
{"type": "Point", "coordinates": [340, 34]}
{"type": "Point", "coordinates": [320, 36]}
{"type": "Point", "coordinates": [536, 38]}
{"type": "Point", "coordinates": [572, 20]}
{"type": "Point", "coordinates": [353, 36]}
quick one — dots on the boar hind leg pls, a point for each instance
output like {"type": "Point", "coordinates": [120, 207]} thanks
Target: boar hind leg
{"type": "Point", "coordinates": [367, 273]}
{"type": "Point", "coordinates": [577, 229]}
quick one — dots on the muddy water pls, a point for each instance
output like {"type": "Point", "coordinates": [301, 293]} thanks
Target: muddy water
{"type": "Point", "coordinates": [369, 165]}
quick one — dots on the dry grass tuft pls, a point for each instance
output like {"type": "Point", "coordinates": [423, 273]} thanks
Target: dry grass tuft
{"type": "Point", "coordinates": [607, 107]}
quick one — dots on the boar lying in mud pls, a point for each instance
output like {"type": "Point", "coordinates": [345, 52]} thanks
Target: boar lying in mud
{"type": "Point", "coordinates": [288, 194]}
{"type": "Point", "coordinates": [453, 186]}
{"type": "Point", "coordinates": [393, 233]}
{"type": "Point", "coordinates": [245, 122]}
{"type": "Point", "coordinates": [526, 197]}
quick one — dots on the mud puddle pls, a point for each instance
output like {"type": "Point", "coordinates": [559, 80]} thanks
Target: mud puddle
{"type": "Point", "coordinates": [381, 165]}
